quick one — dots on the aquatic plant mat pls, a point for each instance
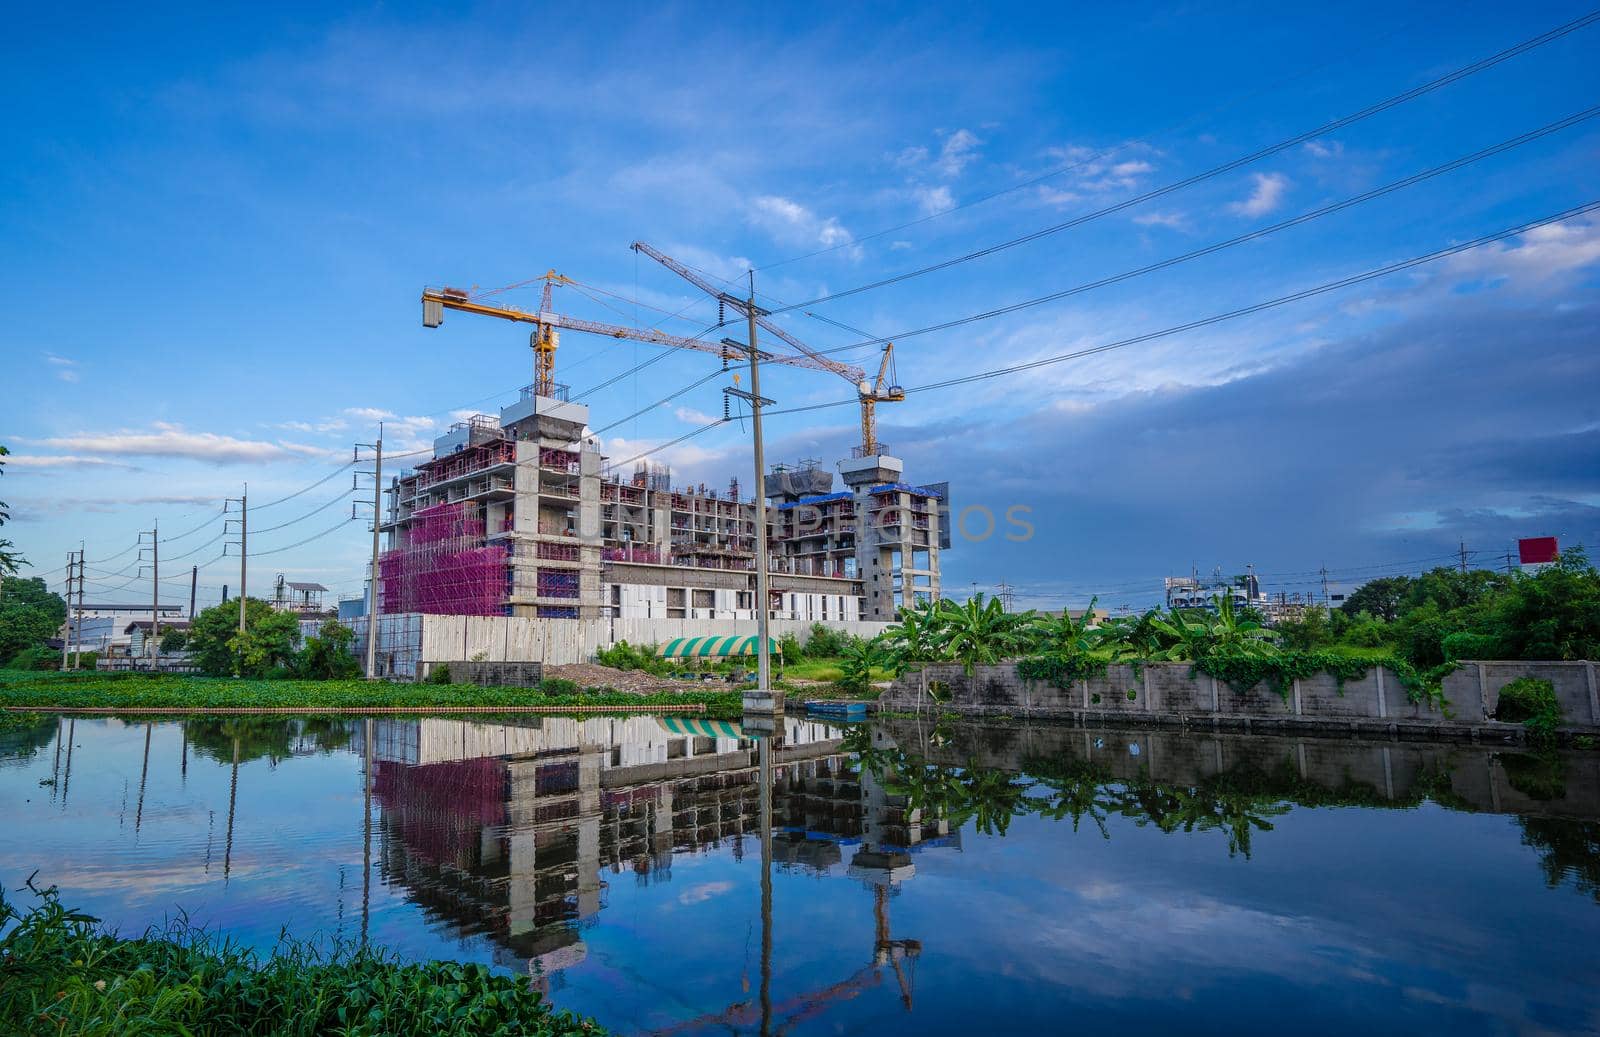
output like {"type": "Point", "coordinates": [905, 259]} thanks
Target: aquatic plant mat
{"type": "Point", "coordinates": [684, 707]}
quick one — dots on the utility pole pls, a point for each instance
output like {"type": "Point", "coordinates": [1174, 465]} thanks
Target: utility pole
{"type": "Point", "coordinates": [243, 515]}
{"type": "Point", "coordinates": [372, 576]}
{"type": "Point", "coordinates": [244, 550]}
{"type": "Point", "coordinates": [77, 646]}
{"type": "Point", "coordinates": [194, 584]}
{"type": "Point", "coordinates": [155, 595]}
{"type": "Point", "coordinates": [763, 612]}
{"type": "Point", "coordinates": [155, 586]}
{"type": "Point", "coordinates": [71, 563]}
{"type": "Point", "coordinates": [1324, 571]}
{"type": "Point", "coordinates": [1463, 555]}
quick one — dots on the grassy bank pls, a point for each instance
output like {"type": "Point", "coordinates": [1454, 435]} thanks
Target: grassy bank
{"type": "Point", "coordinates": [69, 691]}
{"type": "Point", "coordinates": [59, 973]}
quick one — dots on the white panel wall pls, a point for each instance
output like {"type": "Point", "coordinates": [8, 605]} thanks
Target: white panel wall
{"type": "Point", "coordinates": [437, 639]}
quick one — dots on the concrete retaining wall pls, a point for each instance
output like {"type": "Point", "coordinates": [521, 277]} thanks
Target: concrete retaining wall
{"type": "Point", "coordinates": [1176, 693]}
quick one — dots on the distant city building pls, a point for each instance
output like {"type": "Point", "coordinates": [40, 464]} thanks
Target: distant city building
{"type": "Point", "coordinates": [1197, 592]}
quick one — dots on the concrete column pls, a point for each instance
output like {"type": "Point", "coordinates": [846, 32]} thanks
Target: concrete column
{"type": "Point", "coordinates": [1144, 673]}
{"type": "Point", "coordinates": [1594, 696]}
{"type": "Point", "coordinates": [1297, 710]}
{"type": "Point", "coordinates": [1483, 698]}
{"type": "Point", "coordinates": [1383, 702]}
{"type": "Point", "coordinates": [1214, 703]}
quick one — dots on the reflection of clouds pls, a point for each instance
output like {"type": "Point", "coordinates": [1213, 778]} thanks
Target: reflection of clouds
{"type": "Point", "coordinates": [1129, 941]}
{"type": "Point", "coordinates": [699, 894]}
{"type": "Point", "coordinates": [152, 880]}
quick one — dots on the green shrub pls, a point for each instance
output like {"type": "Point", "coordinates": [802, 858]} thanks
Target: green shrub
{"type": "Point", "coordinates": [1532, 701]}
{"type": "Point", "coordinates": [789, 645]}
{"type": "Point", "coordinates": [36, 658]}
{"type": "Point", "coordinates": [439, 674]}
{"type": "Point", "coordinates": [825, 642]}
{"type": "Point", "coordinates": [558, 686]}
{"type": "Point", "coordinates": [623, 656]}
{"type": "Point", "coordinates": [64, 975]}
{"type": "Point", "coordinates": [1467, 645]}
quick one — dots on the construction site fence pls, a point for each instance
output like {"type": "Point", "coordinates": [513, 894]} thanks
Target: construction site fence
{"type": "Point", "coordinates": [410, 644]}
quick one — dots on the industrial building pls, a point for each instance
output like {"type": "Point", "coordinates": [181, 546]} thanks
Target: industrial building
{"type": "Point", "coordinates": [517, 515]}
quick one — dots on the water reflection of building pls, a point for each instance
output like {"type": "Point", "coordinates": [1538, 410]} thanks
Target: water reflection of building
{"type": "Point", "coordinates": [508, 829]}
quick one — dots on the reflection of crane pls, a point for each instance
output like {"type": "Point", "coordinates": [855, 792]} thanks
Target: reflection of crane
{"type": "Point", "coordinates": [546, 323]}
{"type": "Point", "coordinates": [792, 1011]}
{"type": "Point", "coordinates": [881, 390]}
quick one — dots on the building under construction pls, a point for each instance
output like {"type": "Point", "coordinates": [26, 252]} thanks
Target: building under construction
{"type": "Point", "coordinates": [518, 514]}
{"type": "Point", "coordinates": [513, 516]}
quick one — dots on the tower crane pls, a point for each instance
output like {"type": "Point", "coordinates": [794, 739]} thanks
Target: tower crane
{"type": "Point", "coordinates": [882, 389]}
{"type": "Point", "coordinates": [547, 323]}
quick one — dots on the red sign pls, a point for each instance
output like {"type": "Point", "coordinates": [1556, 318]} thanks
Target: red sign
{"type": "Point", "coordinates": [1535, 550]}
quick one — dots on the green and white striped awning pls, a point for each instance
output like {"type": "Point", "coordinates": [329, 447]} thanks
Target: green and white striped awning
{"type": "Point", "coordinates": [700, 728]}
{"type": "Point", "coordinates": [715, 647]}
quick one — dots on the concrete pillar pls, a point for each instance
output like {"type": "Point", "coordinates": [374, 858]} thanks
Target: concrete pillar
{"type": "Point", "coordinates": [1594, 695]}
{"type": "Point", "coordinates": [1383, 701]}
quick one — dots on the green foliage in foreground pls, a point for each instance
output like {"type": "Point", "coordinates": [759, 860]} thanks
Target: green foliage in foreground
{"type": "Point", "coordinates": [59, 973]}
{"type": "Point", "coordinates": [1532, 701]}
{"type": "Point", "coordinates": [69, 691]}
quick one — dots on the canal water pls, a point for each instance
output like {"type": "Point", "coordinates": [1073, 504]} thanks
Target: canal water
{"type": "Point", "coordinates": [923, 878]}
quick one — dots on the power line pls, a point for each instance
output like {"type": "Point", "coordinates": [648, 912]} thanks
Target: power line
{"type": "Point", "coordinates": [1226, 167]}
{"type": "Point", "coordinates": [1095, 157]}
{"type": "Point", "coordinates": [1242, 311]}
{"type": "Point", "coordinates": [343, 496]}
{"type": "Point", "coordinates": [301, 543]}
{"type": "Point", "coordinates": [306, 489]}
{"type": "Point", "coordinates": [1295, 221]}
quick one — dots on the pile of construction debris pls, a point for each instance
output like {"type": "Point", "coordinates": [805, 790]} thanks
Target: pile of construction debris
{"type": "Point", "coordinates": [592, 675]}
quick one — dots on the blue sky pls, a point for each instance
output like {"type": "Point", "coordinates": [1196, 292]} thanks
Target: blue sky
{"type": "Point", "coordinates": [215, 228]}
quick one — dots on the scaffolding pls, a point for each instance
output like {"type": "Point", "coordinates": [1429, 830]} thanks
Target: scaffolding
{"type": "Point", "coordinates": [445, 568]}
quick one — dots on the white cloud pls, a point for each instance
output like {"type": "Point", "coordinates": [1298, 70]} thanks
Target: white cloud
{"type": "Point", "coordinates": [106, 505]}
{"type": "Point", "coordinates": [934, 199]}
{"type": "Point", "coordinates": [1089, 171]}
{"type": "Point", "coordinates": [66, 370]}
{"type": "Point", "coordinates": [1325, 149]}
{"type": "Point", "coordinates": [912, 156]}
{"type": "Point", "coordinates": [959, 151]}
{"type": "Point", "coordinates": [60, 461]}
{"type": "Point", "coordinates": [1266, 195]}
{"type": "Point", "coordinates": [788, 220]}
{"type": "Point", "coordinates": [1175, 220]}
{"type": "Point", "coordinates": [690, 416]}
{"type": "Point", "coordinates": [899, 246]}
{"type": "Point", "coordinates": [168, 440]}
{"type": "Point", "coordinates": [323, 426]}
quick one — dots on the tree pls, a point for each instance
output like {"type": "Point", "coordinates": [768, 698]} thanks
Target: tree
{"type": "Point", "coordinates": [915, 639]}
{"type": "Point", "coordinates": [859, 656]}
{"type": "Point", "coordinates": [326, 655]}
{"type": "Point", "coordinates": [11, 560]}
{"type": "Point", "coordinates": [1382, 597]}
{"type": "Point", "coordinates": [1197, 633]}
{"type": "Point", "coordinates": [174, 639]}
{"type": "Point", "coordinates": [1551, 614]}
{"type": "Point", "coordinates": [266, 644]}
{"type": "Point", "coordinates": [981, 632]}
{"type": "Point", "coordinates": [1064, 636]}
{"type": "Point", "coordinates": [30, 614]}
